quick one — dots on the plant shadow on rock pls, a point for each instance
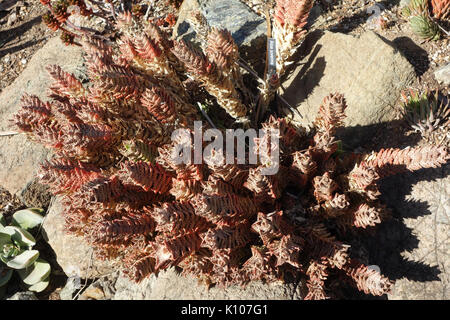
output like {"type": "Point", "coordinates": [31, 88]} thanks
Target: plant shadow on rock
{"type": "Point", "coordinates": [363, 136]}
{"type": "Point", "coordinates": [415, 55]}
{"type": "Point", "coordinates": [383, 245]}
{"type": "Point", "coordinates": [312, 72]}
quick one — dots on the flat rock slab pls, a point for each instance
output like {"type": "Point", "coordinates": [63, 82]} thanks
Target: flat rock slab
{"type": "Point", "coordinates": [19, 157]}
{"type": "Point", "coordinates": [369, 71]}
{"type": "Point", "coordinates": [169, 285]}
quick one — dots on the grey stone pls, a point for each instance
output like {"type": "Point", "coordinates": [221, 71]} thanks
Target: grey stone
{"type": "Point", "coordinates": [369, 71]}
{"type": "Point", "coordinates": [74, 255]}
{"type": "Point", "coordinates": [442, 74]}
{"type": "Point", "coordinates": [19, 157]}
{"type": "Point", "coordinates": [26, 295]}
{"type": "Point", "coordinates": [72, 285]}
{"type": "Point", "coordinates": [247, 28]}
{"type": "Point", "coordinates": [170, 285]}
{"type": "Point", "coordinates": [126, 289]}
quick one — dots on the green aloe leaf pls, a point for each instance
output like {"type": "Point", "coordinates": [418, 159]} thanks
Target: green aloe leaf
{"type": "Point", "coordinates": [424, 27]}
{"type": "Point", "coordinates": [23, 260]}
{"type": "Point", "coordinates": [5, 275]}
{"type": "Point", "coordinates": [35, 273]}
{"type": "Point", "coordinates": [40, 286]}
{"type": "Point", "coordinates": [21, 236]}
{"type": "Point", "coordinates": [28, 218]}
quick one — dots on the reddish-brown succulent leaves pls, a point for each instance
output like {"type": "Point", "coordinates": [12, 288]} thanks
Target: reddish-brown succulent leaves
{"type": "Point", "coordinates": [367, 280]}
{"type": "Point", "coordinates": [123, 191]}
{"type": "Point", "coordinates": [293, 13]}
{"type": "Point", "coordinates": [441, 9]}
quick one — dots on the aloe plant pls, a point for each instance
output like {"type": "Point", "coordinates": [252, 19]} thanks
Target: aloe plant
{"type": "Point", "coordinates": [17, 253]}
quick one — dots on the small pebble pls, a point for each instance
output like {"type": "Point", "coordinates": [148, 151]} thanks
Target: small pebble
{"type": "Point", "coordinates": [23, 61]}
{"type": "Point", "coordinates": [12, 18]}
{"type": "Point", "coordinates": [93, 293]}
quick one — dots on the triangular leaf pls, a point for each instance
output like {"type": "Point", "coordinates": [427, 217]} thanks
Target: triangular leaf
{"type": "Point", "coordinates": [23, 260]}
{"type": "Point", "coordinates": [28, 218]}
{"type": "Point", "coordinates": [36, 272]}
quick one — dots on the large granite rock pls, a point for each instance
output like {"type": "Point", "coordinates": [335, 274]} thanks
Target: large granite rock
{"type": "Point", "coordinates": [368, 70]}
{"type": "Point", "coordinates": [73, 254]}
{"type": "Point", "coordinates": [169, 285]}
{"type": "Point", "coordinates": [247, 28]}
{"type": "Point", "coordinates": [20, 157]}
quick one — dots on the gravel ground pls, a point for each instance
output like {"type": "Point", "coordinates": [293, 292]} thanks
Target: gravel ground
{"type": "Point", "coordinates": [21, 34]}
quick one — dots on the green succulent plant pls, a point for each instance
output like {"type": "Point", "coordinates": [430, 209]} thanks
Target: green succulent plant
{"type": "Point", "coordinates": [424, 27]}
{"type": "Point", "coordinates": [415, 7]}
{"type": "Point", "coordinates": [17, 253]}
{"type": "Point", "coordinates": [429, 115]}
{"type": "Point", "coordinates": [417, 12]}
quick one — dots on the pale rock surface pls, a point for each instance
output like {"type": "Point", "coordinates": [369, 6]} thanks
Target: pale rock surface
{"type": "Point", "coordinates": [369, 71]}
{"type": "Point", "coordinates": [442, 74]}
{"type": "Point", "coordinates": [170, 285]}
